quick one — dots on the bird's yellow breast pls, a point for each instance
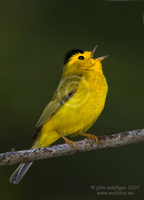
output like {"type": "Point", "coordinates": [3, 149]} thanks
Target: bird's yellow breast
{"type": "Point", "coordinates": [82, 110]}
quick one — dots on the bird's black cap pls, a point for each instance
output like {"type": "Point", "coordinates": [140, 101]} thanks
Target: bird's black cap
{"type": "Point", "coordinates": [70, 53]}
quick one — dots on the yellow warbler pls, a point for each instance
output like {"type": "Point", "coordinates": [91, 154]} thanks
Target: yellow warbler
{"type": "Point", "coordinates": [75, 105]}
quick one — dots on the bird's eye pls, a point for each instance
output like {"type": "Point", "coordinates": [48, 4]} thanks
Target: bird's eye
{"type": "Point", "coordinates": [80, 57]}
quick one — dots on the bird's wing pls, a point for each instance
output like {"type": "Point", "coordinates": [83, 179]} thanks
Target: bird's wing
{"type": "Point", "coordinates": [66, 89]}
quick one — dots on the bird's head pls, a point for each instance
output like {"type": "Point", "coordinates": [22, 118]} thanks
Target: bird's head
{"type": "Point", "coordinates": [77, 60]}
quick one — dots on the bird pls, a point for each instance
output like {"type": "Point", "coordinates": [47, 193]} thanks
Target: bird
{"type": "Point", "coordinates": [76, 104]}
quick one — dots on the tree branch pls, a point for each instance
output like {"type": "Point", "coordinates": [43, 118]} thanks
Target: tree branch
{"type": "Point", "coordinates": [114, 140]}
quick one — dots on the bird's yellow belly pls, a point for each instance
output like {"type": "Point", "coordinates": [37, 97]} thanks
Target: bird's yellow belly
{"type": "Point", "coordinates": [75, 118]}
{"type": "Point", "coordinates": [79, 113]}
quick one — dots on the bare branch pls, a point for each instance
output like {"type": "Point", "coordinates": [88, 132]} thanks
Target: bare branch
{"type": "Point", "coordinates": [114, 140]}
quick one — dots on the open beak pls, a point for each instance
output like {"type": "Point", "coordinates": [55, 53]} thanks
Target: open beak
{"type": "Point", "coordinates": [100, 58]}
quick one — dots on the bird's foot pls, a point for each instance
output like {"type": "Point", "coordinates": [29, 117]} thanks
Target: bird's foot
{"type": "Point", "coordinates": [93, 137]}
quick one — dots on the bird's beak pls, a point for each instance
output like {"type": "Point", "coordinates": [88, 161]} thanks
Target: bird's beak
{"type": "Point", "coordinates": [93, 51]}
{"type": "Point", "coordinates": [102, 58]}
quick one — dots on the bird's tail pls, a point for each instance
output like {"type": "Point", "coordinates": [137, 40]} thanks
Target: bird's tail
{"type": "Point", "coordinates": [19, 173]}
{"type": "Point", "coordinates": [43, 141]}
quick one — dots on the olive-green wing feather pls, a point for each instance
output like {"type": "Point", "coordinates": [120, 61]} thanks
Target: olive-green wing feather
{"type": "Point", "coordinates": [66, 89]}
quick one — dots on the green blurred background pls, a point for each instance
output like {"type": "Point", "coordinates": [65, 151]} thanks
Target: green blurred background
{"type": "Point", "coordinates": [34, 37]}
